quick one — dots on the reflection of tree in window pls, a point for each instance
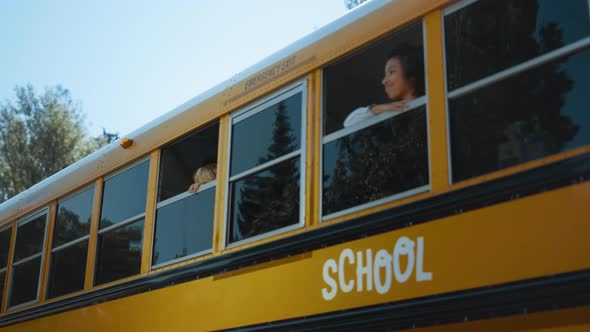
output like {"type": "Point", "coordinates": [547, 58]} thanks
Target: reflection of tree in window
{"type": "Point", "coordinates": [517, 119]}
{"type": "Point", "coordinates": [379, 161]}
{"type": "Point", "coordinates": [270, 200]}
{"type": "Point", "coordinates": [490, 35]}
{"type": "Point", "coordinates": [70, 226]}
{"type": "Point", "coordinates": [120, 254]}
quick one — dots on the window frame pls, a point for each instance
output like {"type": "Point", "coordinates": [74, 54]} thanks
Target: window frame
{"type": "Point", "coordinates": [247, 111]}
{"type": "Point", "coordinates": [21, 222]}
{"type": "Point", "coordinates": [413, 105]}
{"type": "Point", "coordinates": [73, 242]}
{"type": "Point", "coordinates": [121, 223]}
{"type": "Point", "coordinates": [171, 200]}
{"type": "Point", "coordinates": [486, 81]}
{"type": "Point", "coordinates": [4, 270]}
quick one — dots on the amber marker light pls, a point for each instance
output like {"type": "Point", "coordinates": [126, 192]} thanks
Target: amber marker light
{"type": "Point", "coordinates": [126, 142]}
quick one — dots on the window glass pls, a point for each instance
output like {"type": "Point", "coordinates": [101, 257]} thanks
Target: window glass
{"type": "Point", "coordinates": [67, 270]}
{"type": "Point", "coordinates": [184, 227]}
{"type": "Point", "coordinates": [5, 236]}
{"type": "Point", "coordinates": [73, 218]}
{"type": "Point", "coordinates": [25, 282]}
{"type": "Point", "coordinates": [357, 80]}
{"type": "Point", "coordinates": [267, 135]}
{"type": "Point", "coordinates": [266, 201]}
{"type": "Point", "coordinates": [181, 159]}
{"type": "Point", "coordinates": [29, 238]}
{"type": "Point", "coordinates": [119, 253]}
{"type": "Point", "coordinates": [2, 280]}
{"type": "Point", "coordinates": [375, 143]}
{"type": "Point", "coordinates": [540, 112]}
{"type": "Point", "coordinates": [491, 35]}
{"type": "Point", "coordinates": [124, 195]}
{"type": "Point", "coordinates": [388, 158]}
{"type": "Point", "coordinates": [266, 158]}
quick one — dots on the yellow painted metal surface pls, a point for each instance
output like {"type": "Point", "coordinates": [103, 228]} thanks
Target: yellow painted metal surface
{"type": "Point", "coordinates": [92, 241]}
{"type": "Point", "coordinates": [313, 149]}
{"type": "Point", "coordinates": [437, 116]}
{"type": "Point", "coordinates": [221, 184]}
{"type": "Point", "coordinates": [44, 274]}
{"type": "Point", "coordinates": [150, 212]}
{"type": "Point", "coordinates": [566, 320]}
{"type": "Point", "coordinates": [540, 235]}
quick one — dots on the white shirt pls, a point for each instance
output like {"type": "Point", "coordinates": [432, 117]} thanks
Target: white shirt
{"type": "Point", "coordinates": [358, 115]}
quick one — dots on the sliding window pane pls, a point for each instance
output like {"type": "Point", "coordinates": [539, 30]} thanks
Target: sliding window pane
{"type": "Point", "coordinates": [266, 201]}
{"type": "Point", "coordinates": [180, 160]}
{"type": "Point", "coordinates": [267, 135]}
{"type": "Point", "coordinates": [2, 280]}
{"type": "Point", "coordinates": [388, 158]}
{"type": "Point", "coordinates": [124, 195]}
{"type": "Point", "coordinates": [68, 269]}
{"type": "Point", "coordinates": [184, 227]}
{"type": "Point", "coordinates": [29, 238]}
{"type": "Point", "coordinates": [73, 218]}
{"type": "Point", "coordinates": [5, 236]}
{"type": "Point", "coordinates": [492, 35]}
{"type": "Point", "coordinates": [529, 116]}
{"type": "Point", "coordinates": [25, 282]}
{"type": "Point", "coordinates": [119, 253]}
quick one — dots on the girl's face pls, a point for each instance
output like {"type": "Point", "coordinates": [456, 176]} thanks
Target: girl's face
{"type": "Point", "coordinates": [397, 86]}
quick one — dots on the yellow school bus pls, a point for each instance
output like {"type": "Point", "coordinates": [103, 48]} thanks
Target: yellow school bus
{"type": "Point", "coordinates": [415, 164]}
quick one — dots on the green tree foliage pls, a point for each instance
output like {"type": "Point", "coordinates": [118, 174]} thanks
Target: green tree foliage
{"type": "Point", "coordinates": [40, 135]}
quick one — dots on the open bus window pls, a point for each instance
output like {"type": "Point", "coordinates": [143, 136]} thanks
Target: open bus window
{"type": "Point", "coordinates": [375, 144]}
{"type": "Point", "coordinates": [70, 244]}
{"type": "Point", "coordinates": [180, 160]}
{"type": "Point", "coordinates": [26, 265]}
{"type": "Point", "coordinates": [5, 236]}
{"type": "Point", "coordinates": [517, 76]}
{"type": "Point", "coordinates": [184, 220]}
{"type": "Point", "coordinates": [266, 163]}
{"type": "Point", "coordinates": [120, 238]}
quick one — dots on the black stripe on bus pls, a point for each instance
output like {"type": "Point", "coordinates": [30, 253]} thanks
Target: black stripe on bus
{"type": "Point", "coordinates": [552, 176]}
{"type": "Point", "coordinates": [538, 295]}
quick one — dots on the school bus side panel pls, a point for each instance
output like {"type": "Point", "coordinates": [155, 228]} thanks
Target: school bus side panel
{"type": "Point", "coordinates": [540, 235]}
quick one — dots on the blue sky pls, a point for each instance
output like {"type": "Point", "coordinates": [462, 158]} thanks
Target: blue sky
{"type": "Point", "coordinates": [128, 62]}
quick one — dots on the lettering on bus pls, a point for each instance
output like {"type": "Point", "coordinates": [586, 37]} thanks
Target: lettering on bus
{"type": "Point", "coordinates": [379, 269]}
{"type": "Point", "coordinates": [269, 73]}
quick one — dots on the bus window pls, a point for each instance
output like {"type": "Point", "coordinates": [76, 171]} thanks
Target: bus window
{"type": "Point", "coordinates": [70, 244]}
{"type": "Point", "coordinates": [5, 236]}
{"type": "Point", "coordinates": [382, 154]}
{"type": "Point", "coordinates": [28, 254]}
{"type": "Point", "coordinates": [184, 220]}
{"type": "Point", "coordinates": [121, 224]}
{"type": "Point", "coordinates": [517, 75]}
{"type": "Point", "coordinates": [265, 184]}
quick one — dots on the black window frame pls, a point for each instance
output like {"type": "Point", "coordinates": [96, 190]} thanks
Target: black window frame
{"type": "Point", "coordinates": [212, 185]}
{"type": "Point", "coordinates": [71, 243]}
{"type": "Point", "coordinates": [274, 98]}
{"type": "Point", "coordinates": [4, 270]}
{"type": "Point", "coordinates": [41, 255]}
{"type": "Point", "coordinates": [120, 224]}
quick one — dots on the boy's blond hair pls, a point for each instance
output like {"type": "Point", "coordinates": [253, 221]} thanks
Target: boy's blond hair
{"type": "Point", "coordinates": [206, 173]}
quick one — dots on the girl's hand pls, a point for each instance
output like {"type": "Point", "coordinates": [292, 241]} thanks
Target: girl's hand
{"type": "Point", "coordinates": [396, 106]}
{"type": "Point", "coordinates": [194, 188]}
